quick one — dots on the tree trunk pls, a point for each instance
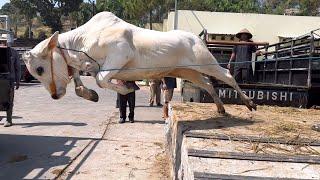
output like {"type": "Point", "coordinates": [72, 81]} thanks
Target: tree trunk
{"type": "Point", "coordinates": [30, 29]}
{"type": "Point", "coordinates": [150, 19]}
{"type": "Point", "coordinates": [16, 30]}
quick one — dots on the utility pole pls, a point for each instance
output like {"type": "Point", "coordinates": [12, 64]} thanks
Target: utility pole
{"type": "Point", "coordinates": [175, 27]}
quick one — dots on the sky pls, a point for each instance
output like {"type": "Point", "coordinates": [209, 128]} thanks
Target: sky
{"type": "Point", "coordinates": [2, 2]}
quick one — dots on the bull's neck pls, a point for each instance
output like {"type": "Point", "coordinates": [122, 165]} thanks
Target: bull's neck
{"type": "Point", "coordinates": [71, 43]}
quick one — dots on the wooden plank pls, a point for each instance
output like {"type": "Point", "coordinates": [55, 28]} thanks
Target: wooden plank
{"type": "Point", "coordinates": [254, 156]}
{"type": "Point", "coordinates": [309, 142]}
{"type": "Point", "coordinates": [202, 175]}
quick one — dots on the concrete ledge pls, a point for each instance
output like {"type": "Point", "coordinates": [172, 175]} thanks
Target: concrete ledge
{"type": "Point", "coordinates": [277, 124]}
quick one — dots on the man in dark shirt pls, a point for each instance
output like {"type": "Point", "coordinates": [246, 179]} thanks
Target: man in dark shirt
{"type": "Point", "coordinates": [15, 75]}
{"type": "Point", "coordinates": [242, 53]}
{"type": "Point", "coordinates": [168, 85]}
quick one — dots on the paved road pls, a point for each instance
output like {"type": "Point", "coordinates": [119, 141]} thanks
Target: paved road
{"type": "Point", "coordinates": [80, 139]}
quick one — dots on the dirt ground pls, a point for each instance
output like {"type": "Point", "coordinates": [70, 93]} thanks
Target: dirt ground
{"type": "Point", "coordinates": [73, 138]}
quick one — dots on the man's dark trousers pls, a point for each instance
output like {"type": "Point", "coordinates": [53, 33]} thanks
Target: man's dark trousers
{"type": "Point", "coordinates": [10, 107]}
{"type": "Point", "coordinates": [123, 99]}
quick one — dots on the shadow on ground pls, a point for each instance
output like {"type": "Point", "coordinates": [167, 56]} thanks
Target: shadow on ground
{"type": "Point", "coordinates": [147, 106]}
{"type": "Point", "coordinates": [13, 117]}
{"type": "Point", "coordinates": [34, 83]}
{"type": "Point", "coordinates": [31, 157]}
{"type": "Point", "coordinates": [150, 121]}
{"type": "Point", "coordinates": [27, 125]}
{"type": "Point", "coordinates": [226, 121]}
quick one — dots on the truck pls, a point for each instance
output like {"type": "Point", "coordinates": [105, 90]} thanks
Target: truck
{"type": "Point", "coordinates": [285, 74]}
{"type": "Point", "coordinates": [6, 35]}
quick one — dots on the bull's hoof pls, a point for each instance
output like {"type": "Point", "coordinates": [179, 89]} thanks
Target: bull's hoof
{"type": "Point", "coordinates": [316, 127]}
{"type": "Point", "coordinates": [94, 96]}
{"type": "Point", "coordinates": [254, 107]}
{"type": "Point", "coordinates": [251, 106]}
{"type": "Point", "coordinates": [222, 111]}
{"type": "Point", "coordinates": [87, 94]}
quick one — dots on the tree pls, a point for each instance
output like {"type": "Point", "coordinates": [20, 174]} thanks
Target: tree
{"type": "Point", "coordinates": [309, 7]}
{"type": "Point", "coordinates": [143, 11]}
{"type": "Point", "coordinates": [113, 6]}
{"type": "Point", "coordinates": [28, 10]}
{"type": "Point", "coordinates": [51, 11]}
{"type": "Point", "coordinates": [14, 15]}
{"type": "Point", "coordinates": [83, 15]}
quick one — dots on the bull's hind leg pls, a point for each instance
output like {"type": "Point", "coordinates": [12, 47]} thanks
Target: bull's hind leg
{"type": "Point", "coordinates": [224, 75]}
{"type": "Point", "coordinates": [201, 81]}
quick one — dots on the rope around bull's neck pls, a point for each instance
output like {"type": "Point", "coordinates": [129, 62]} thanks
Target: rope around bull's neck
{"type": "Point", "coordinates": [190, 65]}
{"type": "Point", "coordinates": [79, 51]}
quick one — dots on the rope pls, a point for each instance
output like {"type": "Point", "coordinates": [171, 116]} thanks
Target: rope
{"type": "Point", "coordinates": [79, 51]}
{"type": "Point", "coordinates": [211, 64]}
{"type": "Point", "coordinates": [189, 65]}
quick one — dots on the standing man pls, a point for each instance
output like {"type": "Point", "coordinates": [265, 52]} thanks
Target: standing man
{"type": "Point", "coordinates": [155, 92]}
{"type": "Point", "coordinates": [242, 53]}
{"type": "Point", "coordinates": [168, 85]}
{"type": "Point", "coordinates": [128, 98]}
{"type": "Point", "coordinates": [14, 78]}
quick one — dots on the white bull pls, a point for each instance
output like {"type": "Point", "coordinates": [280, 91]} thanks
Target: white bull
{"type": "Point", "coordinates": [118, 50]}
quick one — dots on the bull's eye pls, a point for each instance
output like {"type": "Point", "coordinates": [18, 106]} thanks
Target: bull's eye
{"type": "Point", "coordinates": [40, 70]}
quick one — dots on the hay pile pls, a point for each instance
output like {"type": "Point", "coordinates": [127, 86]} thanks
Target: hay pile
{"type": "Point", "coordinates": [290, 124]}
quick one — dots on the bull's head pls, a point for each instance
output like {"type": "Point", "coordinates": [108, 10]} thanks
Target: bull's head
{"type": "Point", "coordinates": [46, 63]}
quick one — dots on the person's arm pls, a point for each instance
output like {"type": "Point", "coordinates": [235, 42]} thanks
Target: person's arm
{"type": "Point", "coordinates": [164, 85]}
{"type": "Point", "coordinates": [259, 53]}
{"type": "Point", "coordinates": [232, 58]}
{"type": "Point", "coordinates": [17, 68]}
{"type": "Point", "coordinates": [254, 50]}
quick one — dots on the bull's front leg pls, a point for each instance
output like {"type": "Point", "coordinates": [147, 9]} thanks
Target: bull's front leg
{"type": "Point", "coordinates": [104, 81]}
{"type": "Point", "coordinates": [83, 91]}
{"type": "Point", "coordinates": [116, 60]}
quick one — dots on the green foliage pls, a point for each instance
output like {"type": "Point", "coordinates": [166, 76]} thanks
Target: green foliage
{"type": "Point", "coordinates": [13, 13]}
{"type": "Point", "coordinates": [140, 12]}
{"type": "Point", "coordinates": [49, 10]}
{"type": "Point", "coordinates": [309, 7]}
{"type": "Point", "coordinates": [83, 14]}
{"type": "Point", "coordinates": [52, 10]}
{"type": "Point", "coordinates": [28, 10]}
{"type": "Point", "coordinates": [249, 6]}
{"type": "Point", "coordinates": [113, 6]}
{"type": "Point", "coordinates": [26, 7]}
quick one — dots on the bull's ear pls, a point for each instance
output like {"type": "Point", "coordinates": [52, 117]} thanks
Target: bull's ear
{"type": "Point", "coordinates": [53, 40]}
{"type": "Point", "coordinates": [47, 45]}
